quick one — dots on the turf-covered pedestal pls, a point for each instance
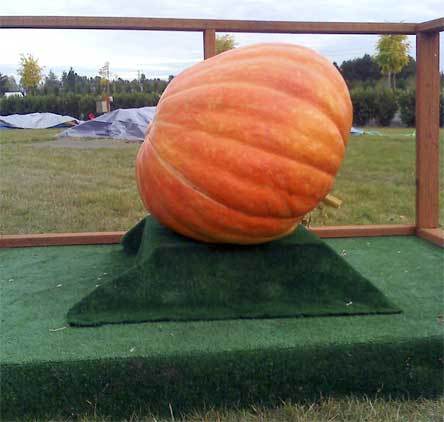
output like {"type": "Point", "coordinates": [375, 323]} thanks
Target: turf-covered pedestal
{"type": "Point", "coordinates": [175, 278]}
{"type": "Point", "coordinates": [50, 368]}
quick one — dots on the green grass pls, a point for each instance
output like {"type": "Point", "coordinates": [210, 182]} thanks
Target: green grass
{"type": "Point", "coordinates": [348, 409]}
{"type": "Point", "coordinates": [53, 189]}
{"type": "Point", "coordinates": [377, 181]}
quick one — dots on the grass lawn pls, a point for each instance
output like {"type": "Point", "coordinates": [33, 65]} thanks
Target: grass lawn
{"type": "Point", "coordinates": [349, 409]}
{"type": "Point", "coordinates": [56, 189]}
{"type": "Point", "coordinates": [46, 188]}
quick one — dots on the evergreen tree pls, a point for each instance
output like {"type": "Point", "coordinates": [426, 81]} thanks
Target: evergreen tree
{"type": "Point", "coordinates": [364, 69]}
{"type": "Point", "coordinates": [4, 84]}
{"type": "Point", "coordinates": [52, 84]}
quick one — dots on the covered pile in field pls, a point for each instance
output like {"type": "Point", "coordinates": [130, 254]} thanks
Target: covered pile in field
{"type": "Point", "coordinates": [129, 124]}
{"type": "Point", "coordinates": [36, 121]}
{"type": "Point", "coordinates": [354, 131]}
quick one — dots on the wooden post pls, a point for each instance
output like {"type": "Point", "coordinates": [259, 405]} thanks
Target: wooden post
{"type": "Point", "coordinates": [209, 39]}
{"type": "Point", "coordinates": [427, 130]}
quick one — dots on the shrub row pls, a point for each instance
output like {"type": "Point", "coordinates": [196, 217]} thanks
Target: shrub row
{"type": "Point", "coordinates": [368, 104]}
{"type": "Point", "coordinates": [382, 106]}
{"type": "Point", "coordinates": [75, 105]}
{"type": "Point", "coordinates": [407, 108]}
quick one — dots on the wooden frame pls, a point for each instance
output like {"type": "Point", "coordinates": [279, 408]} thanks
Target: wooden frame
{"type": "Point", "coordinates": [432, 235]}
{"type": "Point", "coordinates": [209, 43]}
{"type": "Point", "coordinates": [60, 239]}
{"type": "Point", "coordinates": [427, 106]}
{"type": "Point", "coordinates": [102, 238]}
{"type": "Point", "coordinates": [200, 25]}
{"type": "Point", "coordinates": [427, 130]}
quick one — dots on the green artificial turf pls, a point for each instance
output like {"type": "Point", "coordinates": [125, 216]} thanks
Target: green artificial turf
{"type": "Point", "coordinates": [48, 367]}
{"type": "Point", "coordinates": [175, 278]}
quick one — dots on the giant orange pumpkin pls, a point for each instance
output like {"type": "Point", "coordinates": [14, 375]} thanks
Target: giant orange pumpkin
{"type": "Point", "coordinates": [245, 143]}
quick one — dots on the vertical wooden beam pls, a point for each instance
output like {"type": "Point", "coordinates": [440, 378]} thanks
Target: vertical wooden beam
{"type": "Point", "coordinates": [427, 130]}
{"type": "Point", "coordinates": [209, 40]}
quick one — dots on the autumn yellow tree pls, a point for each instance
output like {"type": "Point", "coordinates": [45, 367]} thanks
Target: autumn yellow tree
{"type": "Point", "coordinates": [392, 56]}
{"type": "Point", "coordinates": [31, 73]}
{"type": "Point", "coordinates": [224, 43]}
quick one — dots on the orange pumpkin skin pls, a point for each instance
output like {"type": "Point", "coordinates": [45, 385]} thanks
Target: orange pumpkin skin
{"type": "Point", "coordinates": [245, 143]}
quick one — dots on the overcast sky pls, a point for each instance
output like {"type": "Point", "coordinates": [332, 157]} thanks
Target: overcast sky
{"type": "Point", "coordinates": [159, 54]}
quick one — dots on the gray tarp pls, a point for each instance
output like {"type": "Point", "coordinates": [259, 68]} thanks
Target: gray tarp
{"type": "Point", "coordinates": [36, 121]}
{"type": "Point", "coordinates": [129, 123]}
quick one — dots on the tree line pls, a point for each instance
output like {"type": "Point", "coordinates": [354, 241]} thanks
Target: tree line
{"type": "Point", "coordinates": [71, 82]}
{"type": "Point", "coordinates": [391, 67]}
{"type": "Point", "coordinates": [365, 72]}
{"type": "Point", "coordinates": [362, 71]}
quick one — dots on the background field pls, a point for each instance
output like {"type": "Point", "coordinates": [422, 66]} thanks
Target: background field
{"type": "Point", "coordinates": [49, 185]}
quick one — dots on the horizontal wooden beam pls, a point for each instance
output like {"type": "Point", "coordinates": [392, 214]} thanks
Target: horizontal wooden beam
{"type": "Point", "coordinates": [59, 239]}
{"type": "Point", "coordinates": [101, 238]}
{"type": "Point", "coordinates": [435, 236]}
{"type": "Point", "coordinates": [365, 230]}
{"type": "Point", "coordinates": [219, 25]}
{"type": "Point", "coordinates": [436, 25]}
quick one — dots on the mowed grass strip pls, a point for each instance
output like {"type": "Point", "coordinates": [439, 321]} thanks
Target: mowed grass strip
{"type": "Point", "coordinates": [377, 181]}
{"type": "Point", "coordinates": [57, 189]}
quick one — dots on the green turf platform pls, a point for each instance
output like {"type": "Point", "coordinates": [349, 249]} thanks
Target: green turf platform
{"type": "Point", "coordinates": [174, 278]}
{"type": "Point", "coordinates": [48, 367]}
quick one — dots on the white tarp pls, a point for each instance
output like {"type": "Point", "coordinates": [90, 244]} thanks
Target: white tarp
{"type": "Point", "coordinates": [129, 123]}
{"type": "Point", "coordinates": [356, 132]}
{"type": "Point", "coordinates": [36, 121]}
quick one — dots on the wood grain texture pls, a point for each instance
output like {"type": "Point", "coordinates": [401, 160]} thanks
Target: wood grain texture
{"type": "Point", "coordinates": [103, 238]}
{"type": "Point", "coordinates": [60, 239]}
{"type": "Point", "coordinates": [364, 230]}
{"type": "Point", "coordinates": [433, 25]}
{"type": "Point", "coordinates": [436, 236]}
{"type": "Point", "coordinates": [168, 24]}
{"type": "Point", "coordinates": [209, 42]}
{"type": "Point", "coordinates": [427, 130]}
